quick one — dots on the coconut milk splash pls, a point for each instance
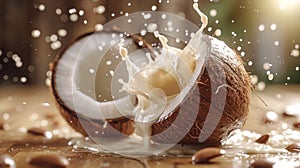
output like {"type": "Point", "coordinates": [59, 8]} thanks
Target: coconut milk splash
{"type": "Point", "coordinates": [162, 79]}
{"type": "Point", "coordinates": [155, 85]}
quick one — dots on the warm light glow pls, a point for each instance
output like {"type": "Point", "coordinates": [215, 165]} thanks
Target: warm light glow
{"type": "Point", "coordinates": [287, 4]}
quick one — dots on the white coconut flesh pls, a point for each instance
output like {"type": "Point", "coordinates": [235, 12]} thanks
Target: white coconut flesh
{"type": "Point", "coordinates": [83, 77]}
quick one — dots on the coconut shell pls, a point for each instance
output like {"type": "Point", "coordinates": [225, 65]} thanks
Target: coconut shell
{"type": "Point", "coordinates": [234, 114]}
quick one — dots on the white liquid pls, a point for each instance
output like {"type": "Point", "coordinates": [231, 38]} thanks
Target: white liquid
{"type": "Point", "coordinates": [176, 65]}
{"type": "Point", "coordinates": [133, 146]}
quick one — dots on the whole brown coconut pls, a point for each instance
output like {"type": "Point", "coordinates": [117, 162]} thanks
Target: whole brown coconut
{"type": "Point", "coordinates": [221, 61]}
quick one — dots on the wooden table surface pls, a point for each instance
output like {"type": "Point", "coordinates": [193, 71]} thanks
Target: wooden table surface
{"type": "Point", "coordinates": [24, 107]}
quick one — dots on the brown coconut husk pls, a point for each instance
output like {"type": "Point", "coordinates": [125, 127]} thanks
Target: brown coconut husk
{"type": "Point", "coordinates": [236, 106]}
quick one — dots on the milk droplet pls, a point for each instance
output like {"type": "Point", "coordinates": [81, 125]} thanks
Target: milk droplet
{"type": "Point", "coordinates": [147, 16]}
{"type": "Point", "coordinates": [276, 43]}
{"type": "Point", "coordinates": [163, 16]}
{"type": "Point", "coordinates": [271, 77]}
{"type": "Point", "coordinates": [108, 62]}
{"type": "Point", "coordinates": [295, 53]}
{"type": "Point", "coordinates": [111, 72]}
{"type": "Point", "coordinates": [261, 86]}
{"type": "Point", "coordinates": [23, 79]}
{"type": "Point", "coordinates": [42, 7]}
{"type": "Point", "coordinates": [154, 8]}
{"type": "Point", "coordinates": [58, 11]}
{"type": "Point", "coordinates": [72, 11]}
{"type": "Point", "coordinates": [273, 26]}
{"type": "Point", "coordinates": [143, 32]}
{"type": "Point", "coordinates": [213, 12]}
{"type": "Point", "coordinates": [218, 32]}
{"type": "Point", "coordinates": [62, 32]}
{"type": "Point", "coordinates": [297, 46]}
{"type": "Point", "coordinates": [5, 77]}
{"type": "Point", "coordinates": [100, 9]}
{"type": "Point", "coordinates": [5, 60]}
{"type": "Point", "coordinates": [47, 39]}
{"type": "Point", "coordinates": [297, 68]}
{"type": "Point", "coordinates": [74, 17]}
{"type": "Point", "coordinates": [48, 82]}
{"type": "Point", "coordinates": [128, 4]}
{"type": "Point", "coordinates": [81, 12]}
{"type": "Point", "coordinates": [91, 70]}
{"type": "Point", "coordinates": [243, 54]}
{"type": "Point", "coordinates": [19, 64]}
{"type": "Point", "coordinates": [49, 73]}
{"type": "Point", "coordinates": [261, 27]}
{"type": "Point", "coordinates": [100, 48]}
{"type": "Point", "coordinates": [272, 116]}
{"type": "Point", "coordinates": [98, 27]}
{"type": "Point", "coordinates": [5, 116]}
{"type": "Point", "coordinates": [53, 38]}
{"type": "Point", "coordinates": [253, 79]}
{"type": "Point", "coordinates": [55, 45]}
{"type": "Point", "coordinates": [45, 104]}
{"type": "Point", "coordinates": [35, 33]}
{"type": "Point", "coordinates": [266, 66]}
{"type": "Point", "coordinates": [152, 27]}
{"type": "Point", "coordinates": [16, 58]}
{"type": "Point", "coordinates": [141, 43]}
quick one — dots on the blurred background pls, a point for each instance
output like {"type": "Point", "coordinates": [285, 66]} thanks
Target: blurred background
{"type": "Point", "coordinates": [265, 33]}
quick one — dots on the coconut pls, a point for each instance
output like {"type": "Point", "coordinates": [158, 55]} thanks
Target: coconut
{"type": "Point", "coordinates": [220, 60]}
{"type": "Point", "coordinates": [200, 100]}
